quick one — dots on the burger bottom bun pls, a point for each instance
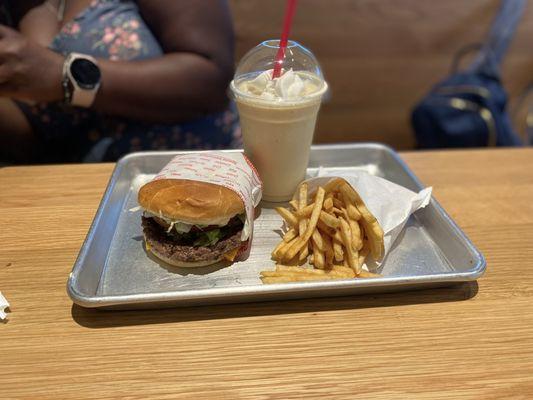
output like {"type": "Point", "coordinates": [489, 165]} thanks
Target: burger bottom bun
{"type": "Point", "coordinates": [184, 264]}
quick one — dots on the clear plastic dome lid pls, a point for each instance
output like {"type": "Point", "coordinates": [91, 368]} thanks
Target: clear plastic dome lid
{"type": "Point", "coordinates": [261, 60]}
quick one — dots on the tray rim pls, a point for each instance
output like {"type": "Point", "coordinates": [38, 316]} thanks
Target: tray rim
{"type": "Point", "coordinates": [234, 293]}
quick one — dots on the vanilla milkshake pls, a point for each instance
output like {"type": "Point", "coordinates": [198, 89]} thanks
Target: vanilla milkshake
{"type": "Point", "coordinates": [278, 117]}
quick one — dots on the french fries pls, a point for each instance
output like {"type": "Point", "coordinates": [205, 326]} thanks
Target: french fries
{"type": "Point", "coordinates": [302, 225]}
{"type": "Point", "coordinates": [328, 203]}
{"type": "Point", "coordinates": [369, 222]}
{"type": "Point", "coordinates": [289, 235]}
{"type": "Point", "coordinates": [288, 216]}
{"type": "Point", "coordinates": [337, 251]}
{"type": "Point", "coordinates": [304, 211]}
{"type": "Point", "coordinates": [286, 274]}
{"type": "Point", "coordinates": [329, 220]}
{"type": "Point", "coordinates": [318, 242]}
{"type": "Point", "coordinates": [334, 234]}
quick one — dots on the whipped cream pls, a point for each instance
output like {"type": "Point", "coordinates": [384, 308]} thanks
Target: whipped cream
{"type": "Point", "coordinates": [289, 86]}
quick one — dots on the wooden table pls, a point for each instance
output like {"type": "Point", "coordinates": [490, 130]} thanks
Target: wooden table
{"type": "Point", "coordinates": [472, 341]}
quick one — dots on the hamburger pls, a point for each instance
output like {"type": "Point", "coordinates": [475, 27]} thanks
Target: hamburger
{"type": "Point", "coordinates": [191, 223]}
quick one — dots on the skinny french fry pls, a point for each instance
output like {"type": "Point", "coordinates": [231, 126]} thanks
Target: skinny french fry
{"type": "Point", "coordinates": [363, 254]}
{"type": "Point", "coordinates": [366, 274]}
{"type": "Point", "coordinates": [286, 246]}
{"type": "Point", "coordinates": [375, 236]}
{"type": "Point", "coordinates": [302, 241]}
{"type": "Point", "coordinates": [361, 242]}
{"type": "Point", "coordinates": [270, 274]}
{"type": "Point", "coordinates": [337, 251]}
{"type": "Point", "coordinates": [303, 254]}
{"type": "Point", "coordinates": [356, 234]}
{"type": "Point", "coordinates": [302, 196]}
{"type": "Point", "coordinates": [304, 212]}
{"type": "Point", "coordinates": [318, 258]}
{"type": "Point", "coordinates": [294, 205]}
{"type": "Point", "coordinates": [325, 229]}
{"type": "Point", "coordinates": [288, 216]}
{"type": "Point", "coordinates": [298, 278]}
{"type": "Point", "coordinates": [317, 240]}
{"type": "Point", "coordinates": [298, 272]}
{"type": "Point", "coordinates": [285, 270]}
{"type": "Point", "coordinates": [328, 203]}
{"type": "Point", "coordinates": [333, 184]}
{"type": "Point", "coordinates": [338, 211]}
{"type": "Point", "coordinates": [329, 219]}
{"type": "Point", "coordinates": [302, 203]}
{"type": "Point", "coordinates": [302, 226]}
{"type": "Point", "coordinates": [337, 235]}
{"type": "Point", "coordinates": [337, 203]}
{"type": "Point", "coordinates": [289, 235]}
{"type": "Point", "coordinates": [348, 192]}
{"type": "Point", "coordinates": [351, 209]}
{"type": "Point", "coordinates": [353, 213]}
{"type": "Point", "coordinates": [352, 255]}
{"type": "Point", "coordinates": [344, 270]}
{"type": "Point", "coordinates": [328, 250]}
{"type": "Point", "coordinates": [345, 263]}
{"type": "Point", "coordinates": [281, 267]}
{"type": "Point", "coordinates": [274, 253]}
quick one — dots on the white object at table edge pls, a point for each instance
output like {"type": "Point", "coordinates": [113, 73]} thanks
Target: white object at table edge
{"type": "Point", "coordinates": [3, 305]}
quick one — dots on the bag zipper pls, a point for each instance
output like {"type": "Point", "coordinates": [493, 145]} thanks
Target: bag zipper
{"type": "Point", "coordinates": [467, 105]}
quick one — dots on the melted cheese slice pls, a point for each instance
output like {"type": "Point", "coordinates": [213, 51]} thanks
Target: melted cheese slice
{"type": "Point", "coordinates": [230, 255]}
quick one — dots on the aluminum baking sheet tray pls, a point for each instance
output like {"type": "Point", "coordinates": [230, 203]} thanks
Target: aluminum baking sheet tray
{"type": "Point", "coordinates": [114, 271]}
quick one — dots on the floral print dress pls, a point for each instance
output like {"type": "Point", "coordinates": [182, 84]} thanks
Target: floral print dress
{"type": "Point", "coordinates": [114, 30]}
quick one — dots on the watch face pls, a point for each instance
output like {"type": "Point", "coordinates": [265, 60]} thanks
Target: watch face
{"type": "Point", "coordinates": [85, 72]}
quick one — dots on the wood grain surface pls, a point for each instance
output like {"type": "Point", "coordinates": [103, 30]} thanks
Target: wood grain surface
{"type": "Point", "coordinates": [472, 341]}
{"type": "Point", "coordinates": [381, 56]}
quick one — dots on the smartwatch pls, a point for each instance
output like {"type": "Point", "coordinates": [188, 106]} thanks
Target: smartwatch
{"type": "Point", "coordinates": [81, 80]}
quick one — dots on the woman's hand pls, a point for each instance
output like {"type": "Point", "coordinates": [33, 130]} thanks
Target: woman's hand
{"type": "Point", "coordinates": [28, 71]}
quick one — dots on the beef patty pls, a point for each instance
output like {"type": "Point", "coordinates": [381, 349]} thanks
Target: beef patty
{"type": "Point", "coordinates": [174, 248]}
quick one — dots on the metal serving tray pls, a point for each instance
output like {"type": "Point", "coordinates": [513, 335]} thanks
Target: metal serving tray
{"type": "Point", "coordinates": [114, 271]}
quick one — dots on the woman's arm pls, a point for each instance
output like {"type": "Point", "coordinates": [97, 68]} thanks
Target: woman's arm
{"type": "Point", "coordinates": [189, 80]}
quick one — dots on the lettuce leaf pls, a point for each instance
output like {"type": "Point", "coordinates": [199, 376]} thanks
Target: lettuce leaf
{"type": "Point", "coordinates": [208, 238]}
{"type": "Point", "coordinates": [182, 227]}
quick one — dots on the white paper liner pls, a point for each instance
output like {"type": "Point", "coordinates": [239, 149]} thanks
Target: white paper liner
{"type": "Point", "coordinates": [390, 203]}
{"type": "Point", "coordinates": [3, 305]}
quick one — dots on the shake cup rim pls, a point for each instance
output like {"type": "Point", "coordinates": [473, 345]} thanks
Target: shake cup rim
{"type": "Point", "coordinates": [282, 103]}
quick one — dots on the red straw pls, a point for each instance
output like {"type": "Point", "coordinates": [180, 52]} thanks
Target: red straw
{"type": "Point", "coordinates": [287, 23]}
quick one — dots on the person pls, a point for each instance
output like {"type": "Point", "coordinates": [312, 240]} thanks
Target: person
{"type": "Point", "coordinates": [92, 80]}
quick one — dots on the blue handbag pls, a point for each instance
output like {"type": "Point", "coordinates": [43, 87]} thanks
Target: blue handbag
{"type": "Point", "coordinates": [468, 108]}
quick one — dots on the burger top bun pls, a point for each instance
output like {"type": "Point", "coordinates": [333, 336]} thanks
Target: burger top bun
{"type": "Point", "coordinates": [192, 202]}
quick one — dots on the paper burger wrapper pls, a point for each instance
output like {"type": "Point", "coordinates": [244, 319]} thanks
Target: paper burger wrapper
{"type": "Point", "coordinates": [232, 170]}
{"type": "Point", "coordinates": [389, 203]}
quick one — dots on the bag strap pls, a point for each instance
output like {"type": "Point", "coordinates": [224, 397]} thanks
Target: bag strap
{"type": "Point", "coordinates": [497, 42]}
{"type": "Point", "coordinates": [491, 51]}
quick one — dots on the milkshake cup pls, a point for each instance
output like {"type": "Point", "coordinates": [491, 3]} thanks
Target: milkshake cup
{"type": "Point", "coordinates": [278, 116]}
